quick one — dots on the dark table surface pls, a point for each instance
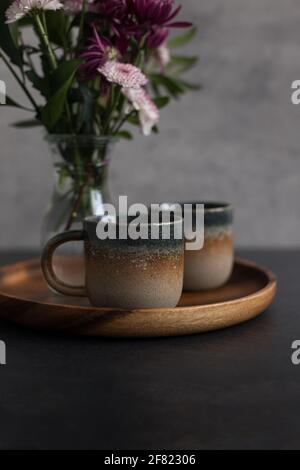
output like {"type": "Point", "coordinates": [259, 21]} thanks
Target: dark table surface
{"type": "Point", "coordinates": [231, 389]}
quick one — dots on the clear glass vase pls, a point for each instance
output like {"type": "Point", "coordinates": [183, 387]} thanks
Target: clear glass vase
{"type": "Point", "coordinates": [81, 168]}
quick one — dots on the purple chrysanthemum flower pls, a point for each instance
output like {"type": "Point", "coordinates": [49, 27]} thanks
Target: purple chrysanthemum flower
{"type": "Point", "coordinates": [112, 8]}
{"type": "Point", "coordinates": [114, 13]}
{"type": "Point", "coordinates": [98, 51]}
{"type": "Point", "coordinates": [150, 13]}
{"type": "Point", "coordinates": [101, 57]}
{"type": "Point", "coordinates": [158, 37]}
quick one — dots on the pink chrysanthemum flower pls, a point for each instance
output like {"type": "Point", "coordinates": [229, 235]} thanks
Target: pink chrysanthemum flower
{"type": "Point", "coordinates": [163, 55]}
{"type": "Point", "coordinates": [19, 8]}
{"type": "Point", "coordinates": [76, 6]}
{"type": "Point", "coordinates": [148, 111]}
{"type": "Point", "coordinates": [100, 56]}
{"type": "Point", "coordinates": [125, 75]}
{"type": "Point", "coordinates": [97, 52]}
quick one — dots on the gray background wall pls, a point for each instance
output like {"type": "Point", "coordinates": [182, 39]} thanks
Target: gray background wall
{"type": "Point", "coordinates": [237, 140]}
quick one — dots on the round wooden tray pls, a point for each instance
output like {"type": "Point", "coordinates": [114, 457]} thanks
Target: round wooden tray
{"type": "Point", "coordinates": [25, 299]}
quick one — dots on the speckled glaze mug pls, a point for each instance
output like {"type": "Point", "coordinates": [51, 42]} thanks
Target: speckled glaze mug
{"type": "Point", "coordinates": [124, 273]}
{"type": "Point", "coordinates": [211, 266]}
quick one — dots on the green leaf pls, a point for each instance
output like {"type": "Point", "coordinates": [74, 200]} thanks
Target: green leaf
{"type": "Point", "coordinates": [56, 26]}
{"type": "Point", "coordinates": [162, 101]}
{"type": "Point", "coordinates": [53, 110]}
{"type": "Point", "coordinates": [183, 39]}
{"type": "Point", "coordinates": [63, 72]}
{"type": "Point", "coordinates": [11, 102]}
{"type": "Point", "coordinates": [182, 63]}
{"type": "Point", "coordinates": [188, 86]}
{"type": "Point", "coordinates": [8, 36]}
{"type": "Point", "coordinates": [88, 96]}
{"type": "Point", "coordinates": [170, 84]}
{"type": "Point", "coordinates": [63, 173]}
{"type": "Point", "coordinates": [174, 86]}
{"type": "Point", "coordinates": [134, 119]}
{"type": "Point", "coordinates": [25, 22]}
{"type": "Point", "coordinates": [124, 135]}
{"type": "Point", "coordinates": [49, 84]}
{"type": "Point", "coordinates": [27, 123]}
{"type": "Point", "coordinates": [39, 83]}
{"type": "Point", "coordinates": [155, 89]}
{"type": "Point", "coordinates": [14, 33]}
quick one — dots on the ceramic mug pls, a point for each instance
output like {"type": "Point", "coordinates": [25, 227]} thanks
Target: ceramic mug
{"type": "Point", "coordinates": [211, 266]}
{"type": "Point", "coordinates": [124, 273]}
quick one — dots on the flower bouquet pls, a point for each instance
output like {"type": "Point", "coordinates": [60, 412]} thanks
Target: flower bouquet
{"type": "Point", "coordinates": [94, 68]}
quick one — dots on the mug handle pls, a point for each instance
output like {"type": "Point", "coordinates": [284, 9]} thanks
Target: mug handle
{"type": "Point", "coordinates": [47, 263]}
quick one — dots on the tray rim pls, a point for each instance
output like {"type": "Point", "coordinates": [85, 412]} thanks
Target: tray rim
{"type": "Point", "coordinates": [270, 288]}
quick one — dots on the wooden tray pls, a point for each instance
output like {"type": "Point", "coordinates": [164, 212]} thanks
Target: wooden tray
{"type": "Point", "coordinates": [26, 300]}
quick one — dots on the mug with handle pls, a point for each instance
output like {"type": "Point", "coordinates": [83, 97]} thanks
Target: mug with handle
{"type": "Point", "coordinates": [124, 273]}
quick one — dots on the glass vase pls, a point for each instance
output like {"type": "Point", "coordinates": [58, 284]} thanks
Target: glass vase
{"type": "Point", "coordinates": [81, 169]}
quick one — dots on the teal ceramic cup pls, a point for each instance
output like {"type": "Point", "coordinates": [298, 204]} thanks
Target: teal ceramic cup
{"type": "Point", "coordinates": [124, 273]}
{"type": "Point", "coordinates": [211, 266]}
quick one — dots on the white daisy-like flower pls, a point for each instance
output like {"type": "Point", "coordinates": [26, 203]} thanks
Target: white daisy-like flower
{"type": "Point", "coordinates": [125, 75]}
{"type": "Point", "coordinates": [141, 102]}
{"type": "Point", "coordinates": [19, 8]}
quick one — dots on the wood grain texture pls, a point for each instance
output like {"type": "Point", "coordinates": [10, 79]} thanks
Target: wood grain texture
{"type": "Point", "coordinates": [26, 300]}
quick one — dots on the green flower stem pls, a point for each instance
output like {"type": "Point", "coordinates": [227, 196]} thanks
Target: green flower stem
{"type": "Point", "coordinates": [78, 167]}
{"type": "Point", "coordinates": [42, 29]}
{"type": "Point", "coordinates": [79, 194]}
{"type": "Point", "coordinates": [8, 65]}
{"type": "Point", "coordinates": [81, 25]}
{"type": "Point", "coordinates": [75, 207]}
{"type": "Point", "coordinates": [45, 39]}
{"type": "Point", "coordinates": [69, 116]}
{"type": "Point", "coordinates": [111, 108]}
{"type": "Point", "coordinates": [124, 118]}
{"type": "Point", "coordinates": [139, 62]}
{"type": "Point", "coordinates": [140, 59]}
{"type": "Point", "coordinates": [44, 22]}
